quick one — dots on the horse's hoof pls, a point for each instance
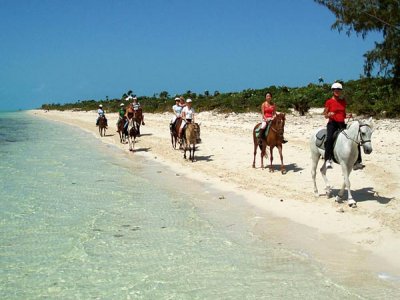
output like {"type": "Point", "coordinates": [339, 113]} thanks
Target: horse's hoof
{"type": "Point", "coordinates": [283, 172]}
{"type": "Point", "coordinates": [352, 203]}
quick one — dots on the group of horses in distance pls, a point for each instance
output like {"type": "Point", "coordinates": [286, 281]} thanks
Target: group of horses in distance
{"type": "Point", "coordinates": [348, 142]}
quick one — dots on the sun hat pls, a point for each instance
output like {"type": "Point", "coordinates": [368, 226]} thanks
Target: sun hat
{"type": "Point", "coordinates": [177, 98]}
{"type": "Point", "coordinates": [188, 100]}
{"type": "Point", "coordinates": [135, 98]}
{"type": "Point", "coordinates": [121, 104]}
{"type": "Point", "coordinates": [100, 105]}
{"type": "Point", "coordinates": [336, 86]}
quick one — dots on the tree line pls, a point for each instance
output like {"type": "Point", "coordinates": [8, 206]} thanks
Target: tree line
{"type": "Point", "coordinates": [366, 96]}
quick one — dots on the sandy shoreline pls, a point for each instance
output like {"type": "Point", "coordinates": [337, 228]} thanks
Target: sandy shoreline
{"type": "Point", "coordinates": [224, 161]}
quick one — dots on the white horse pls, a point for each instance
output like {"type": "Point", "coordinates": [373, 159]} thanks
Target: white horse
{"type": "Point", "coordinates": [346, 153]}
{"type": "Point", "coordinates": [132, 133]}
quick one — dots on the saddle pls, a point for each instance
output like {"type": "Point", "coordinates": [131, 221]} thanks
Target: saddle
{"type": "Point", "coordinates": [258, 128]}
{"type": "Point", "coordinates": [321, 139]}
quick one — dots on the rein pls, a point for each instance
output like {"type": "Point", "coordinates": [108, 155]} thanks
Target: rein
{"type": "Point", "coordinates": [361, 142]}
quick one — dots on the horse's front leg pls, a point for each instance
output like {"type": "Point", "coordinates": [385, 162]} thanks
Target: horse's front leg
{"type": "Point", "coordinates": [193, 149]}
{"type": "Point", "coordinates": [346, 170]}
{"type": "Point", "coordinates": [271, 158]}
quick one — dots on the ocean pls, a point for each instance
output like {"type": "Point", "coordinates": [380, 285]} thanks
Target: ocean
{"type": "Point", "coordinates": [81, 220]}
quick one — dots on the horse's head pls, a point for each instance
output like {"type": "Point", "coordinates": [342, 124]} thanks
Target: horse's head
{"type": "Point", "coordinates": [365, 129]}
{"type": "Point", "coordinates": [197, 131]}
{"type": "Point", "coordinates": [278, 123]}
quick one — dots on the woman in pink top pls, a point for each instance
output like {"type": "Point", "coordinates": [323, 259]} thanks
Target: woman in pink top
{"type": "Point", "coordinates": [268, 112]}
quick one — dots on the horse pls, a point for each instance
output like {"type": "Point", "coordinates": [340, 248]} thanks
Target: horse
{"type": "Point", "coordinates": [102, 125]}
{"type": "Point", "coordinates": [191, 136]}
{"type": "Point", "coordinates": [122, 130]}
{"type": "Point", "coordinates": [174, 130]}
{"type": "Point", "coordinates": [274, 138]}
{"type": "Point", "coordinates": [345, 153]}
{"type": "Point", "coordinates": [137, 116]}
{"type": "Point", "coordinates": [132, 134]}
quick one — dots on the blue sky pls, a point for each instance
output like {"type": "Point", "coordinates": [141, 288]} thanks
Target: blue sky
{"type": "Point", "coordinates": [54, 51]}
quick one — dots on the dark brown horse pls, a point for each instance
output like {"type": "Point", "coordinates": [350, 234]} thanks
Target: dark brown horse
{"type": "Point", "coordinates": [174, 130]}
{"type": "Point", "coordinates": [191, 136]}
{"type": "Point", "coordinates": [273, 139]}
{"type": "Point", "coordinates": [102, 125]}
{"type": "Point", "coordinates": [132, 134]}
{"type": "Point", "coordinates": [122, 130]}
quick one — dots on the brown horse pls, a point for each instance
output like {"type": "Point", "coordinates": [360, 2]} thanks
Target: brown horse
{"type": "Point", "coordinates": [273, 139]}
{"type": "Point", "coordinates": [191, 136]}
{"type": "Point", "coordinates": [137, 116]}
{"type": "Point", "coordinates": [102, 125]}
{"type": "Point", "coordinates": [174, 130]}
{"type": "Point", "coordinates": [122, 130]}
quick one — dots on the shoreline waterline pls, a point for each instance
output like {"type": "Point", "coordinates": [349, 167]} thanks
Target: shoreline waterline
{"type": "Point", "coordinates": [268, 224]}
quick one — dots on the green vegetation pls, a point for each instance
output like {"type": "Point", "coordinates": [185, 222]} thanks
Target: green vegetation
{"type": "Point", "coordinates": [367, 96]}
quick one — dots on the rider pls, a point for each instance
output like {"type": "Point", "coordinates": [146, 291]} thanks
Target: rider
{"type": "Point", "coordinates": [177, 110]}
{"type": "Point", "coordinates": [335, 111]}
{"type": "Point", "coordinates": [268, 112]}
{"type": "Point", "coordinates": [187, 116]}
{"type": "Point", "coordinates": [136, 107]}
{"type": "Point", "coordinates": [121, 114]}
{"type": "Point", "coordinates": [101, 113]}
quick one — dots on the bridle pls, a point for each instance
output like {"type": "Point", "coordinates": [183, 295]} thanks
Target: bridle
{"type": "Point", "coordinates": [361, 142]}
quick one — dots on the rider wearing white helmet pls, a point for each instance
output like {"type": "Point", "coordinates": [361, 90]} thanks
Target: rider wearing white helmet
{"type": "Point", "coordinates": [177, 110]}
{"type": "Point", "coordinates": [335, 111]}
{"type": "Point", "coordinates": [187, 116]}
{"type": "Point", "coordinates": [101, 113]}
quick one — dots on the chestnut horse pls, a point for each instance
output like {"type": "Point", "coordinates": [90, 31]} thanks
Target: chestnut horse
{"type": "Point", "coordinates": [273, 139]}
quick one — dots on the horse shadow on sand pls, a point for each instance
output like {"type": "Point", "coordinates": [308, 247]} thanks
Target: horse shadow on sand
{"type": "Point", "coordinates": [289, 168]}
{"type": "Point", "coordinates": [206, 158]}
{"type": "Point", "coordinates": [366, 194]}
{"type": "Point", "coordinates": [142, 149]}
{"type": "Point", "coordinates": [146, 134]}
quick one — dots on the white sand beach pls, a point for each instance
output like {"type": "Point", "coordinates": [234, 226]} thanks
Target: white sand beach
{"type": "Point", "coordinates": [370, 233]}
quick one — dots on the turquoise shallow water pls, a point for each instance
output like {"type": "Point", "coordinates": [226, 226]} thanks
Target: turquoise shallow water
{"type": "Point", "coordinates": [81, 221]}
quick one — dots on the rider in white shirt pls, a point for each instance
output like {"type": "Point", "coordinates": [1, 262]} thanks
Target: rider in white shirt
{"type": "Point", "coordinates": [101, 113]}
{"type": "Point", "coordinates": [187, 116]}
{"type": "Point", "coordinates": [177, 110]}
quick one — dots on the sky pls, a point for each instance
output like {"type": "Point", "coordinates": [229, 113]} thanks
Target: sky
{"type": "Point", "coordinates": [56, 51]}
